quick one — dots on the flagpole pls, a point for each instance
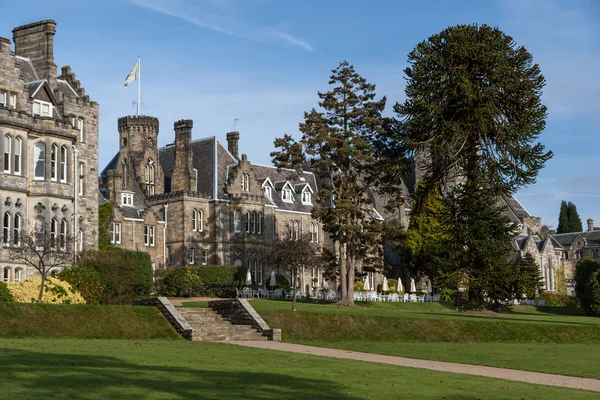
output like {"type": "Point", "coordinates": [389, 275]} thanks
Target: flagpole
{"type": "Point", "coordinates": [139, 79]}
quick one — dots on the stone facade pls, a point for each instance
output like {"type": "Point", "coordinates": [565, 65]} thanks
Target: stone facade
{"type": "Point", "coordinates": [49, 146]}
{"type": "Point", "coordinates": [205, 205]}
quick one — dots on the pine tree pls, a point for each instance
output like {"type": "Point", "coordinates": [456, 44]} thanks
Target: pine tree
{"type": "Point", "coordinates": [562, 218]}
{"type": "Point", "coordinates": [337, 144]}
{"type": "Point", "coordinates": [574, 224]}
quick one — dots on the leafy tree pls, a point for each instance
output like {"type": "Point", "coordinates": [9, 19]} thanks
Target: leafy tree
{"type": "Point", "coordinates": [425, 236]}
{"type": "Point", "coordinates": [478, 246]}
{"type": "Point", "coordinates": [45, 247]}
{"type": "Point", "coordinates": [5, 294]}
{"type": "Point", "coordinates": [584, 269]}
{"type": "Point", "coordinates": [473, 106]}
{"type": "Point", "coordinates": [568, 219]}
{"type": "Point", "coordinates": [336, 143]}
{"type": "Point", "coordinates": [293, 255]}
{"type": "Point", "coordinates": [592, 294]}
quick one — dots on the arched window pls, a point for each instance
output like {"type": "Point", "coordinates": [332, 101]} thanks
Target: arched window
{"type": "Point", "coordinates": [63, 234]}
{"type": "Point", "coordinates": [39, 230]}
{"type": "Point", "coordinates": [81, 186]}
{"type": "Point", "coordinates": [247, 221]}
{"type": "Point", "coordinates": [124, 175]}
{"type": "Point", "coordinates": [200, 222]}
{"type": "Point", "coordinates": [18, 274]}
{"type": "Point", "coordinates": [53, 232]}
{"type": "Point", "coordinates": [17, 229]}
{"type": "Point", "coordinates": [237, 222]}
{"type": "Point", "coordinates": [150, 177]}
{"type": "Point", "coordinates": [316, 232]}
{"type": "Point", "coordinates": [6, 229]}
{"type": "Point", "coordinates": [291, 229]}
{"type": "Point", "coordinates": [311, 229]}
{"type": "Point", "coordinates": [6, 274]}
{"type": "Point", "coordinates": [258, 223]}
{"type": "Point", "coordinates": [253, 222]}
{"type": "Point", "coordinates": [63, 163]}
{"type": "Point", "coordinates": [194, 220]}
{"type": "Point", "coordinates": [80, 129]}
{"type": "Point", "coordinates": [39, 159]}
{"type": "Point", "coordinates": [7, 152]}
{"type": "Point", "coordinates": [18, 149]}
{"type": "Point", "coordinates": [247, 182]}
{"type": "Point", "coordinates": [53, 162]}
{"type": "Point", "coordinates": [296, 230]}
{"type": "Point", "coordinates": [243, 181]}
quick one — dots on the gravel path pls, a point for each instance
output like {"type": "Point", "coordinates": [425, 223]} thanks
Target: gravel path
{"type": "Point", "coordinates": [468, 369]}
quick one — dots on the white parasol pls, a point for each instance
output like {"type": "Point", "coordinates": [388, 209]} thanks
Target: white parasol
{"type": "Point", "coordinates": [248, 278]}
{"type": "Point", "coordinates": [367, 286]}
{"type": "Point", "coordinates": [429, 286]}
{"type": "Point", "coordinates": [413, 288]}
{"type": "Point", "coordinates": [400, 288]}
{"type": "Point", "coordinates": [324, 284]}
{"type": "Point", "coordinates": [385, 286]}
{"type": "Point", "coordinates": [273, 280]}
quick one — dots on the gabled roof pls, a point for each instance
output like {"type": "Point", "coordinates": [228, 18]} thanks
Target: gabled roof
{"type": "Point", "coordinates": [591, 238]}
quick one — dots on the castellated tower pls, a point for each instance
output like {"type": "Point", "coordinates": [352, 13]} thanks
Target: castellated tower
{"type": "Point", "coordinates": [139, 160]}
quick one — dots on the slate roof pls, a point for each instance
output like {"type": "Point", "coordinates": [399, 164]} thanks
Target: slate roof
{"type": "Point", "coordinates": [592, 238]}
{"type": "Point", "coordinates": [27, 70]}
{"type": "Point", "coordinates": [514, 210]}
{"type": "Point", "coordinates": [279, 177]}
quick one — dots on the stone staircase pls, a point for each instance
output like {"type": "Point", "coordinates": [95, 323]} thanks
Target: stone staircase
{"type": "Point", "coordinates": [209, 326]}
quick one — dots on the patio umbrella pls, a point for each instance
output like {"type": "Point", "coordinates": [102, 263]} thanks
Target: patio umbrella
{"type": "Point", "coordinates": [367, 286]}
{"type": "Point", "coordinates": [429, 286]}
{"type": "Point", "coordinates": [325, 285]}
{"type": "Point", "coordinates": [413, 288]}
{"type": "Point", "coordinates": [385, 287]}
{"type": "Point", "coordinates": [248, 278]}
{"type": "Point", "coordinates": [400, 288]}
{"type": "Point", "coordinates": [537, 293]}
{"type": "Point", "coordinates": [273, 280]}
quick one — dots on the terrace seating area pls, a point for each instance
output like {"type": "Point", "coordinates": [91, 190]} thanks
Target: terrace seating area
{"type": "Point", "coordinates": [395, 297]}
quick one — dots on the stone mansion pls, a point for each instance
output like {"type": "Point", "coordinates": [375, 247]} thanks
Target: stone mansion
{"type": "Point", "coordinates": [49, 141]}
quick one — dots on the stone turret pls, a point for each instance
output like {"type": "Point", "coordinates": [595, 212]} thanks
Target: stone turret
{"type": "Point", "coordinates": [36, 42]}
{"type": "Point", "coordinates": [183, 172]}
{"type": "Point", "coordinates": [138, 137]}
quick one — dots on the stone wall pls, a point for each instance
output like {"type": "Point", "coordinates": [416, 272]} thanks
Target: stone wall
{"type": "Point", "coordinates": [171, 314]}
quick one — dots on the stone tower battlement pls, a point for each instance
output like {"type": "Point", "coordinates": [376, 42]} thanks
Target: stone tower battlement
{"type": "Point", "coordinates": [137, 122]}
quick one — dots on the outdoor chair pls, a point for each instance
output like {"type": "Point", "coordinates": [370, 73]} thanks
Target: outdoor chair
{"type": "Point", "coordinates": [436, 298]}
{"type": "Point", "coordinates": [392, 297]}
{"type": "Point", "coordinates": [276, 294]}
{"type": "Point", "coordinates": [247, 293]}
{"type": "Point", "coordinates": [406, 298]}
{"type": "Point", "coordinates": [263, 293]}
{"type": "Point", "coordinates": [412, 298]}
{"type": "Point", "coordinates": [238, 293]}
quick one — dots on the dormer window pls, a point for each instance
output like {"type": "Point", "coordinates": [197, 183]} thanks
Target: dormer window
{"type": "Point", "coordinates": [268, 193]}
{"type": "Point", "coordinates": [286, 195]}
{"type": "Point", "coordinates": [42, 108]}
{"type": "Point", "coordinates": [245, 182]}
{"type": "Point", "coordinates": [306, 197]}
{"type": "Point", "coordinates": [127, 199]}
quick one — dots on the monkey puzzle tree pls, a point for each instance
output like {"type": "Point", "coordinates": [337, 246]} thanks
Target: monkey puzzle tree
{"type": "Point", "coordinates": [336, 143]}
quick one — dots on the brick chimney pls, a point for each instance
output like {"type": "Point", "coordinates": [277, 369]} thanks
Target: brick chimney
{"type": "Point", "coordinates": [36, 42]}
{"type": "Point", "coordinates": [233, 139]}
{"type": "Point", "coordinates": [590, 224]}
{"type": "Point", "coordinates": [183, 170]}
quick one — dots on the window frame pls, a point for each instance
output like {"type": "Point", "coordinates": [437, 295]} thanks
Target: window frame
{"type": "Point", "coordinates": [64, 154]}
{"type": "Point", "coordinates": [40, 105]}
{"type": "Point", "coordinates": [62, 239]}
{"type": "Point", "coordinates": [115, 232]}
{"type": "Point", "coordinates": [6, 227]}
{"type": "Point", "coordinates": [237, 221]}
{"type": "Point", "coordinates": [8, 143]}
{"type": "Point", "coordinates": [17, 155]}
{"type": "Point", "coordinates": [17, 226]}
{"type": "Point", "coordinates": [258, 223]}
{"type": "Point", "coordinates": [149, 236]}
{"type": "Point", "coordinates": [203, 257]}
{"type": "Point", "coordinates": [54, 163]}
{"type": "Point", "coordinates": [247, 221]}
{"type": "Point", "coordinates": [127, 199]}
{"type": "Point", "coordinates": [81, 179]}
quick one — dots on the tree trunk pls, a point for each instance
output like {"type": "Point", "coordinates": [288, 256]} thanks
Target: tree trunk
{"type": "Point", "coordinates": [294, 289]}
{"type": "Point", "coordinates": [42, 288]}
{"type": "Point", "coordinates": [350, 266]}
{"type": "Point", "coordinates": [343, 276]}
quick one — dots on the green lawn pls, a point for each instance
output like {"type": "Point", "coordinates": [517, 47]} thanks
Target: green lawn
{"type": "Point", "coordinates": [126, 369]}
{"type": "Point", "coordinates": [83, 321]}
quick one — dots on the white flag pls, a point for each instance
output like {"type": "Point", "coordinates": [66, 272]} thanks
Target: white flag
{"type": "Point", "coordinates": [134, 74]}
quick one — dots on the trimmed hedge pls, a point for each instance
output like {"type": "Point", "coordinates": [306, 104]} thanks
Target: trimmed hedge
{"type": "Point", "coordinates": [558, 300]}
{"type": "Point", "coordinates": [587, 285]}
{"type": "Point", "coordinates": [205, 281]}
{"type": "Point", "coordinates": [5, 294]}
{"type": "Point", "coordinates": [125, 275]}
{"type": "Point", "coordinates": [86, 280]}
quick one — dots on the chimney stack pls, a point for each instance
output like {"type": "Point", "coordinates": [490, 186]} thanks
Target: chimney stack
{"type": "Point", "coordinates": [36, 42]}
{"type": "Point", "coordinates": [590, 224]}
{"type": "Point", "coordinates": [233, 139]}
{"type": "Point", "coordinates": [183, 170]}
{"type": "Point", "coordinates": [4, 45]}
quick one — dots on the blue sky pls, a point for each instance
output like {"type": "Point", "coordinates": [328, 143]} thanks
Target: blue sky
{"type": "Point", "coordinates": [263, 61]}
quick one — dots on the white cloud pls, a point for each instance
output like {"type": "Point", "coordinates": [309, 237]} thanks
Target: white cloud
{"type": "Point", "coordinates": [222, 16]}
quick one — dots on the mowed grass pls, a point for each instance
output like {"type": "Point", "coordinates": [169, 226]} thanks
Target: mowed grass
{"type": "Point", "coordinates": [126, 369]}
{"type": "Point", "coordinates": [545, 339]}
{"type": "Point", "coordinates": [83, 321]}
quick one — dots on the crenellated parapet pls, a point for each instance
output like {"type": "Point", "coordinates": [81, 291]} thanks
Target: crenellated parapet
{"type": "Point", "coordinates": [138, 122]}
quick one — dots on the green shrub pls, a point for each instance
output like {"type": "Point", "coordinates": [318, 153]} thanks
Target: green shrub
{"type": "Point", "coordinates": [209, 281]}
{"type": "Point", "coordinates": [5, 294]}
{"type": "Point", "coordinates": [359, 286]}
{"type": "Point", "coordinates": [558, 300]}
{"type": "Point", "coordinates": [182, 282]}
{"type": "Point", "coordinates": [448, 295]}
{"type": "Point", "coordinates": [86, 281]}
{"type": "Point", "coordinates": [125, 275]}
{"type": "Point", "coordinates": [282, 282]}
